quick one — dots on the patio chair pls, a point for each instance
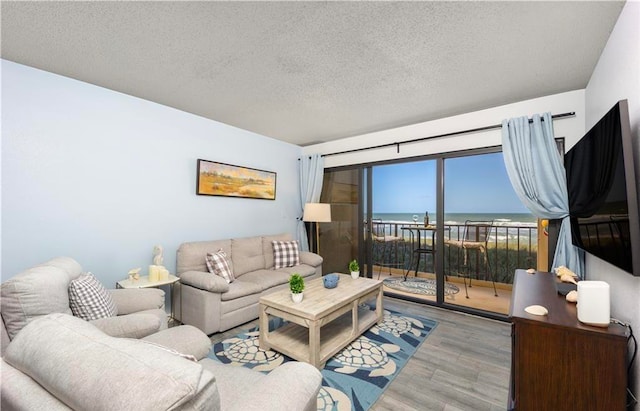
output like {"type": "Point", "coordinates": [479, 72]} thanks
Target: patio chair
{"type": "Point", "coordinates": [384, 244]}
{"type": "Point", "coordinates": [475, 237]}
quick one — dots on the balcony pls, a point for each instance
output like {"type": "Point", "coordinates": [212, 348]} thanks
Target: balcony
{"type": "Point", "coordinates": [508, 247]}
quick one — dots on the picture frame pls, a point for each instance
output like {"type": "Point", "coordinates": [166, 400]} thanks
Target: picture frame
{"type": "Point", "coordinates": [227, 180]}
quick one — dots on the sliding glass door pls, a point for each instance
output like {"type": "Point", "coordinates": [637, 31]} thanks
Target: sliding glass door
{"type": "Point", "coordinates": [489, 234]}
{"type": "Point", "coordinates": [464, 256]}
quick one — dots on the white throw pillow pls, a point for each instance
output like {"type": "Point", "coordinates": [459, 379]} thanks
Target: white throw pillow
{"type": "Point", "coordinates": [285, 254]}
{"type": "Point", "coordinates": [89, 300]}
{"type": "Point", "coordinates": [218, 264]}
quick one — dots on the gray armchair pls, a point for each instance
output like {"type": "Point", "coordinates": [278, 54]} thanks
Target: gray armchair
{"type": "Point", "coordinates": [100, 372]}
{"type": "Point", "coordinates": [43, 290]}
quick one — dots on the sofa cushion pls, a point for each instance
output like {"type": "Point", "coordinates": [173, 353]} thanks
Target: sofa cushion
{"type": "Point", "coordinates": [191, 256]}
{"type": "Point", "coordinates": [218, 264]}
{"type": "Point", "coordinates": [246, 255]}
{"type": "Point", "coordinates": [239, 289]}
{"type": "Point", "coordinates": [139, 375]}
{"type": "Point", "coordinates": [302, 269]}
{"type": "Point", "coordinates": [37, 291]}
{"type": "Point", "coordinates": [21, 392]}
{"type": "Point", "coordinates": [89, 299]}
{"type": "Point", "coordinates": [285, 254]}
{"type": "Point", "coordinates": [266, 278]}
{"type": "Point", "coordinates": [267, 247]}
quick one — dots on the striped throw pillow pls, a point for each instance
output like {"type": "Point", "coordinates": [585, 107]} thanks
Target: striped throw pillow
{"type": "Point", "coordinates": [285, 254]}
{"type": "Point", "coordinates": [218, 264]}
{"type": "Point", "coordinates": [89, 299]}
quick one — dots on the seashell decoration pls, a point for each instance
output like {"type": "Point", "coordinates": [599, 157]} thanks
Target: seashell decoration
{"type": "Point", "coordinates": [566, 278]}
{"type": "Point", "coordinates": [566, 275]}
{"type": "Point", "coordinates": [562, 270]}
{"type": "Point", "coordinates": [134, 274]}
{"type": "Point", "coordinates": [572, 296]}
{"type": "Point", "coordinates": [537, 310]}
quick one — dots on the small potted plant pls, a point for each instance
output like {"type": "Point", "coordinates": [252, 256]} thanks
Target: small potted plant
{"type": "Point", "coordinates": [296, 285]}
{"type": "Point", "coordinates": [354, 268]}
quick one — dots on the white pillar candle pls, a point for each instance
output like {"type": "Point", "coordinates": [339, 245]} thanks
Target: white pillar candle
{"type": "Point", "coordinates": [164, 273]}
{"type": "Point", "coordinates": [153, 273]}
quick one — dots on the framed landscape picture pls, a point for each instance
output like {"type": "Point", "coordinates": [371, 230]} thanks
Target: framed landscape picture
{"type": "Point", "coordinates": [219, 179]}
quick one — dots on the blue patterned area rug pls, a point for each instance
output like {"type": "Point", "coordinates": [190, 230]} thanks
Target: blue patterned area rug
{"type": "Point", "coordinates": [354, 378]}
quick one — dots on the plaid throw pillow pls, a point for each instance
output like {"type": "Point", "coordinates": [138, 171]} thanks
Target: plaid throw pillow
{"type": "Point", "coordinates": [89, 300]}
{"type": "Point", "coordinates": [285, 254]}
{"type": "Point", "coordinates": [217, 264]}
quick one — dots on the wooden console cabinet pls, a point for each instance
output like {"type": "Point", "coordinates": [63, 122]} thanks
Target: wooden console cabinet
{"type": "Point", "coordinates": [557, 363]}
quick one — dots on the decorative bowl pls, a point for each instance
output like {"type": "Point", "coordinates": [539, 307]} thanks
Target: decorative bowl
{"type": "Point", "coordinates": [331, 280]}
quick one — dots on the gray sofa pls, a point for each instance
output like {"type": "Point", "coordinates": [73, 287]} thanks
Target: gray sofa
{"type": "Point", "coordinates": [60, 362]}
{"type": "Point", "coordinates": [213, 305]}
{"type": "Point", "coordinates": [43, 289]}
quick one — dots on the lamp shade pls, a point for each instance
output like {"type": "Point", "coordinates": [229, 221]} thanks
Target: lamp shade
{"type": "Point", "coordinates": [317, 212]}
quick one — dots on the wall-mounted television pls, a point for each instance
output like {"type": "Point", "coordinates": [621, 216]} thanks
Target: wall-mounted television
{"type": "Point", "coordinates": [603, 194]}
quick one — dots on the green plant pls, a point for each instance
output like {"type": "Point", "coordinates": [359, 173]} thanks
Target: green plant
{"type": "Point", "coordinates": [296, 283]}
{"type": "Point", "coordinates": [353, 266]}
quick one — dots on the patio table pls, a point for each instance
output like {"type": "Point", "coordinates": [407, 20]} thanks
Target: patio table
{"type": "Point", "coordinates": [417, 246]}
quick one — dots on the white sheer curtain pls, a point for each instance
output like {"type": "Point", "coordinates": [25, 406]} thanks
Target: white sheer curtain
{"type": "Point", "coordinates": [537, 174]}
{"type": "Point", "coordinates": [311, 176]}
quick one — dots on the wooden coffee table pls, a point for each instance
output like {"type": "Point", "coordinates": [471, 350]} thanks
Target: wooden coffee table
{"type": "Point", "coordinates": [326, 320]}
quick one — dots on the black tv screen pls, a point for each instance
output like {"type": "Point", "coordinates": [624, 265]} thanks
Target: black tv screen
{"type": "Point", "coordinates": [603, 192]}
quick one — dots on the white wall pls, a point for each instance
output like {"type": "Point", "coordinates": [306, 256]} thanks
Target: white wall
{"type": "Point", "coordinates": [571, 128]}
{"type": "Point", "coordinates": [617, 77]}
{"type": "Point", "coordinates": [102, 177]}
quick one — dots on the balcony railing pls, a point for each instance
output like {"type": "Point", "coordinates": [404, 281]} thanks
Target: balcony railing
{"type": "Point", "coordinates": [508, 247]}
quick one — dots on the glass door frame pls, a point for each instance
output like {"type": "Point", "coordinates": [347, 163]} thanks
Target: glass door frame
{"type": "Point", "coordinates": [365, 253]}
{"type": "Point", "coordinates": [366, 244]}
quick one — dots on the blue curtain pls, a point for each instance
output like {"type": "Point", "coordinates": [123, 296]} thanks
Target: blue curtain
{"type": "Point", "coordinates": [536, 172]}
{"type": "Point", "coordinates": [311, 176]}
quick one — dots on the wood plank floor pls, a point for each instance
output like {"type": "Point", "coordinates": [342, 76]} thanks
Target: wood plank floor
{"type": "Point", "coordinates": [463, 365]}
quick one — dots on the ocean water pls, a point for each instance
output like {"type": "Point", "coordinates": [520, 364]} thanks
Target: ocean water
{"type": "Point", "coordinates": [499, 219]}
{"type": "Point", "coordinates": [509, 226]}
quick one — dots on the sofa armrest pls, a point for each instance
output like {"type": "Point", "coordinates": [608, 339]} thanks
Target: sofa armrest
{"type": "Point", "coordinates": [130, 325]}
{"type": "Point", "coordinates": [132, 300]}
{"type": "Point", "coordinates": [312, 259]}
{"type": "Point", "coordinates": [205, 281]}
{"type": "Point", "coordinates": [301, 382]}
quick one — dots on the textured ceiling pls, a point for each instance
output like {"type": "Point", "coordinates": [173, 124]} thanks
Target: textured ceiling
{"type": "Point", "coordinates": [307, 72]}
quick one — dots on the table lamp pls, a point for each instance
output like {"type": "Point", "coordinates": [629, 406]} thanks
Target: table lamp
{"type": "Point", "coordinates": [317, 213]}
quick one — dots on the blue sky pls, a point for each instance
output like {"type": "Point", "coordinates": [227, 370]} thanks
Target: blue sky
{"type": "Point", "coordinates": [473, 184]}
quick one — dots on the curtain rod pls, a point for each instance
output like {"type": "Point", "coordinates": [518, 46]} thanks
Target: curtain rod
{"type": "Point", "coordinates": [455, 133]}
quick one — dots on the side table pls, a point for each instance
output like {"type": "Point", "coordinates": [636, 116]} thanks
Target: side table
{"type": "Point", "coordinates": [143, 282]}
